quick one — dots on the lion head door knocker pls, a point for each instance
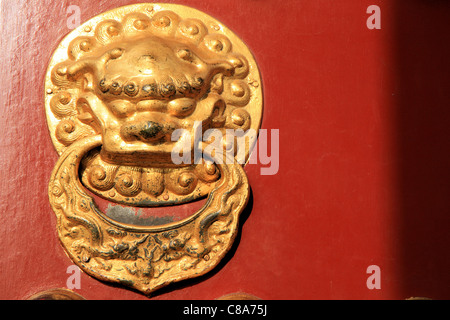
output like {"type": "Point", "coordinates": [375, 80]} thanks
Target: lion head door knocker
{"type": "Point", "coordinates": [124, 93]}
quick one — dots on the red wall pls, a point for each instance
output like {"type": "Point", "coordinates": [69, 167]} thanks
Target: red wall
{"type": "Point", "coordinates": [364, 174]}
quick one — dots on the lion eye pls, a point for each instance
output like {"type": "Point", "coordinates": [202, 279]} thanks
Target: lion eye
{"type": "Point", "coordinates": [103, 85]}
{"type": "Point", "coordinates": [115, 88]}
{"type": "Point", "coordinates": [131, 89]}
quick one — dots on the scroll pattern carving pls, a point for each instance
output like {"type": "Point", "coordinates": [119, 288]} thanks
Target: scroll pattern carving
{"type": "Point", "coordinates": [148, 258]}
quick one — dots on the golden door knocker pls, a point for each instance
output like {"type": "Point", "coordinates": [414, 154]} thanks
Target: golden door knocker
{"type": "Point", "coordinates": [127, 95]}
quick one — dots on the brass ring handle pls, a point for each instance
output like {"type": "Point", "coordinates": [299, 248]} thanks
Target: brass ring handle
{"type": "Point", "coordinates": [143, 258]}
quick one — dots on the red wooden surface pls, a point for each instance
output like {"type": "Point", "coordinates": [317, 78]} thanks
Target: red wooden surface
{"type": "Point", "coordinates": [364, 160]}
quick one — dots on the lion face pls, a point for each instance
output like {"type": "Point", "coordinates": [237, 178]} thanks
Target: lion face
{"type": "Point", "coordinates": [145, 89]}
{"type": "Point", "coordinates": [135, 81]}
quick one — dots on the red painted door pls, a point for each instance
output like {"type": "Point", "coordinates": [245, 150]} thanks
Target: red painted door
{"type": "Point", "coordinates": [363, 177]}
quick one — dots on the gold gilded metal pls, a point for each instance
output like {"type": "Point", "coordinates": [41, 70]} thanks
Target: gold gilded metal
{"type": "Point", "coordinates": [56, 294]}
{"type": "Point", "coordinates": [239, 296]}
{"type": "Point", "coordinates": [117, 90]}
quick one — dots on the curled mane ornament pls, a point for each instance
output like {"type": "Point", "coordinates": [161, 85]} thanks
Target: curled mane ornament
{"type": "Point", "coordinates": [117, 91]}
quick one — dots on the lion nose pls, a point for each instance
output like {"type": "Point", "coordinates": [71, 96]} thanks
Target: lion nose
{"type": "Point", "coordinates": [147, 131]}
{"type": "Point", "coordinates": [150, 131]}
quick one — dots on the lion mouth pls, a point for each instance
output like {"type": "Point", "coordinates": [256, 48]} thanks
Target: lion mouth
{"type": "Point", "coordinates": [145, 140]}
{"type": "Point", "coordinates": [147, 131]}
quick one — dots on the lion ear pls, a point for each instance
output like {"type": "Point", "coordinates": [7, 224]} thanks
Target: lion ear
{"type": "Point", "coordinates": [78, 69]}
{"type": "Point", "coordinates": [217, 114]}
{"type": "Point", "coordinates": [88, 107]}
{"type": "Point", "coordinates": [91, 65]}
{"type": "Point", "coordinates": [217, 83]}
